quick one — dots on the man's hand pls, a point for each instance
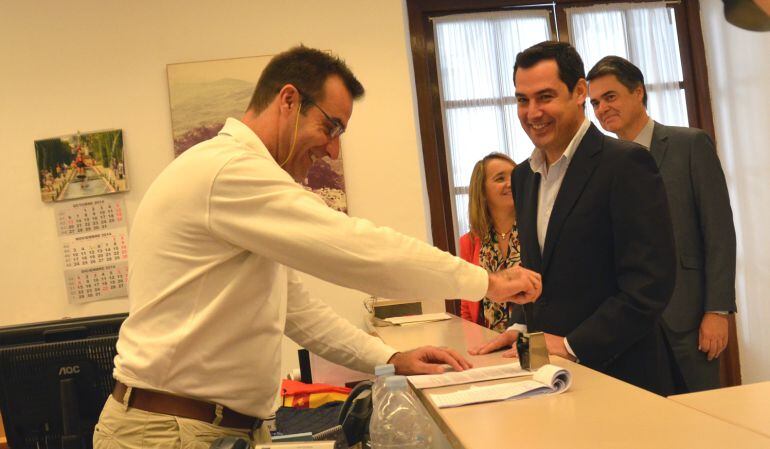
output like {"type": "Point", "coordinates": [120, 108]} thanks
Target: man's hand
{"type": "Point", "coordinates": [556, 346]}
{"type": "Point", "coordinates": [712, 336]}
{"type": "Point", "coordinates": [504, 340]}
{"type": "Point", "coordinates": [515, 284]}
{"type": "Point", "coordinates": [428, 360]}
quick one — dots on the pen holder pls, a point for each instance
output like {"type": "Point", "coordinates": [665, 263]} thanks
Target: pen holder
{"type": "Point", "coordinates": [532, 350]}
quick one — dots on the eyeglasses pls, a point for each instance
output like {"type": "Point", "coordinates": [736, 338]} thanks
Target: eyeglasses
{"type": "Point", "coordinates": [337, 127]}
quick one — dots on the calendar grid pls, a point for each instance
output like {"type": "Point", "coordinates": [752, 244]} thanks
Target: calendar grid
{"type": "Point", "coordinates": [94, 242]}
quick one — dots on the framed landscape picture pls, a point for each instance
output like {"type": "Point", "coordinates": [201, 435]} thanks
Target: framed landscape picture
{"type": "Point", "coordinates": [202, 95]}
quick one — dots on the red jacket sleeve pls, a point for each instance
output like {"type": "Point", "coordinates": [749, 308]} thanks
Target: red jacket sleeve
{"type": "Point", "coordinates": [469, 251]}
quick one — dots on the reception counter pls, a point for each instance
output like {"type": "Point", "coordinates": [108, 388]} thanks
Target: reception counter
{"type": "Point", "coordinates": [597, 412]}
{"type": "Point", "coordinates": [746, 406]}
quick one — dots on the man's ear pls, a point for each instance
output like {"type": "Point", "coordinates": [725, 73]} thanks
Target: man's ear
{"type": "Point", "coordinates": [638, 92]}
{"type": "Point", "coordinates": [581, 91]}
{"type": "Point", "coordinates": [289, 98]}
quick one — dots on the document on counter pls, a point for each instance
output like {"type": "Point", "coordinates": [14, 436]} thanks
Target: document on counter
{"type": "Point", "coordinates": [468, 376]}
{"type": "Point", "coordinates": [424, 318]}
{"type": "Point", "coordinates": [548, 379]}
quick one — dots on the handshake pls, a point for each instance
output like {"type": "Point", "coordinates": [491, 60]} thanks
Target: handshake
{"type": "Point", "coordinates": [516, 284]}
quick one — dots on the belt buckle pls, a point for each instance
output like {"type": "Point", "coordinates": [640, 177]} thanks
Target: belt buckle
{"type": "Point", "coordinates": [218, 414]}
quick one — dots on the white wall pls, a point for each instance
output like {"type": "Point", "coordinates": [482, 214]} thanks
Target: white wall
{"type": "Point", "coordinates": [739, 82]}
{"type": "Point", "coordinates": [89, 65]}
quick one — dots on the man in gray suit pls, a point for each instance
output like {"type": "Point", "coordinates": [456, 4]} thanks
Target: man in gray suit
{"type": "Point", "coordinates": [695, 320]}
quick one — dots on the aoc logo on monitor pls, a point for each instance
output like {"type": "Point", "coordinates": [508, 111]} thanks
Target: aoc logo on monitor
{"type": "Point", "coordinates": [69, 370]}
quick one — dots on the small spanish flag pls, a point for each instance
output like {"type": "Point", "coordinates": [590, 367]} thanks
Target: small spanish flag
{"type": "Point", "coordinates": [300, 395]}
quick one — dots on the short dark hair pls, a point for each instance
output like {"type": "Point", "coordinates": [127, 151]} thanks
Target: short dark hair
{"type": "Point", "coordinates": [570, 65]}
{"type": "Point", "coordinates": [306, 69]}
{"type": "Point", "coordinates": [627, 74]}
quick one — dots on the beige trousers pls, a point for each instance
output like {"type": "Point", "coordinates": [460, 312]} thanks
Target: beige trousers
{"type": "Point", "coordinates": [120, 427]}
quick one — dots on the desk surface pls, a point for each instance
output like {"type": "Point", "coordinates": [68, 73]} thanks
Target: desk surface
{"type": "Point", "coordinates": [746, 406]}
{"type": "Point", "coordinates": [597, 412]}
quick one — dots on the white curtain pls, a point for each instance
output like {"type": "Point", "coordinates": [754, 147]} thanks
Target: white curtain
{"type": "Point", "coordinates": [475, 55]}
{"type": "Point", "coordinates": [739, 81]}
{"type": "Point", "coordinates": [645, 34]}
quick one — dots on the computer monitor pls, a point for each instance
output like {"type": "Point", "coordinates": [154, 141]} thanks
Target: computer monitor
{"type": "Point", "coordinates": [54, 379]}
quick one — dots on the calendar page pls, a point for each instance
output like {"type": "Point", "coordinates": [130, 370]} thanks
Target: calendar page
{"type": "Point", "coordinates": [87, 250]}
{"type": "Point", "coordinates": [93, 284]}
{"type": "Point", "coordinates": [94, 241]}
{"type": "Point", "coordinates": [90, 215]}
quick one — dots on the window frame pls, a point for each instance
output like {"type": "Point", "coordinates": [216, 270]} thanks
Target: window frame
{"type": "Point", "coordinates": [420, 13]}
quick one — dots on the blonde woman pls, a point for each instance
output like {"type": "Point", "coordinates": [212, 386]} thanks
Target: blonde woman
{"type": "Point", "coordinates": [492, 242]}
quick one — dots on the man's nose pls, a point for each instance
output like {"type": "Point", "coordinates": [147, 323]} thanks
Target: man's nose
{"type": "Point", "coordinates": [333, 148]}
{"type": "Point", "coordinates": [600, 107]}
{"type": "Point", "coordinates": [533, 110]}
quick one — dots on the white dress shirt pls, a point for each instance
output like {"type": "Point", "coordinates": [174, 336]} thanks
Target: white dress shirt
{"type": "Point", "coordinates": [551, 178]}
{"type": "Point", "coordinates": [212, 286]}
{"type": "Point", "coordinates": [645, 135]}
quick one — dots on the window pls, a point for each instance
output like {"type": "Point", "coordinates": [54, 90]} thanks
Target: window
{"type": "Point", "coordinates": [643, 33]}
{"type": "Point", "coordinates": [475, 55]}
{"type": "Point", "coordinates": [463, 60]}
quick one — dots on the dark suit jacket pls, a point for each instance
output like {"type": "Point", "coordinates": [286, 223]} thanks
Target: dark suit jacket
{"type": "Point", "coordinates": [703, 225]}
{"type": "Point", "coordinates": [608, 262]}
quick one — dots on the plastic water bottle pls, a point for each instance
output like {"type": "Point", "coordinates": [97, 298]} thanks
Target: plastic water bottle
{"type": "Point", "coordinates": [382, 372]}
{"type": "Point", "coordinates": [398, 420]}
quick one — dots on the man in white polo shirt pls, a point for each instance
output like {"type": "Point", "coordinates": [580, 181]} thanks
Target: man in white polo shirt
{"type": "Point", "coordinates": [216, 246]}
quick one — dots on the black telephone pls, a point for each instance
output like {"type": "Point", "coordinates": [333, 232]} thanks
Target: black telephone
{"type": "Point", "coordinates": [353, 419]}
{"type": "Point", "coordinates": [356, 413]}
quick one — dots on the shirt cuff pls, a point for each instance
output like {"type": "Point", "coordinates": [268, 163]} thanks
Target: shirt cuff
{"type": "Point", "coordinates": [479, 286]}
{"type": "Point", "coordinates": [718, 312]}
{"type": "Point", "coordinates": [520, 328]}
{"type": "Point", "coordinates": [569, 348]}
{"type": "Point", "coordinates": [390, 351]}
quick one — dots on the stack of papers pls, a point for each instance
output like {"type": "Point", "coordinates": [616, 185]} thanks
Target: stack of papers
{"type": "Point", "coordinates": [468, 376]}
{"type": "Point", "coordinates": [546, 380]}
{"type": "Point", "coordinates": [426, 317]}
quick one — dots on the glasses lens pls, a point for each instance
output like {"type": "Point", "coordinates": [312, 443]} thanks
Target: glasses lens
{"type": "Point", "coordinates": [337, 127]}
{"type": "Point", "coordinates": [336, 131]}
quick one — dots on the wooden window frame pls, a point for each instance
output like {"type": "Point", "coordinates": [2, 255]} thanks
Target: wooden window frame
{"type": "Point", "coordinates": [420, 12]}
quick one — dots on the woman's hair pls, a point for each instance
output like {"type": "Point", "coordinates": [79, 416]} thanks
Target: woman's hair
{"type": "Point", "coordinates": [478, 210]}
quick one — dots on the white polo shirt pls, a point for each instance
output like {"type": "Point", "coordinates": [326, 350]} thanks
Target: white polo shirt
{"type": "Point", "coordinates": [212, 284]}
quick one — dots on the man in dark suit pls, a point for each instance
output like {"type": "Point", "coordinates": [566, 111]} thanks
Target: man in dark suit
{"type": "Point", "coordinates": [695, 320]}
{"type": "Point", "coordinates": [593, 220]}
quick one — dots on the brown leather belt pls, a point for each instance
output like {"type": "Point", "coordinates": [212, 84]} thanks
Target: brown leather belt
{"type": "Point", "coordinates": [168, 404]}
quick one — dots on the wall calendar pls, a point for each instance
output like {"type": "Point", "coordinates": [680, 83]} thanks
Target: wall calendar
{"type": "Point", "coordinates": [94, 241]}
{"type": "Point", "coordinates": [90, 215]}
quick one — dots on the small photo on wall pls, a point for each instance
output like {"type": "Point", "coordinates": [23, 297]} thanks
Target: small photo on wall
{"type": "Point", "coordinates": [81, 165]}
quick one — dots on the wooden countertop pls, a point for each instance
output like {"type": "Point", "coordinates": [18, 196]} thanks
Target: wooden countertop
{"type": "Point", "coordinates": [746, 406]}
{"type": "Point", "coordinates": [597, 412]}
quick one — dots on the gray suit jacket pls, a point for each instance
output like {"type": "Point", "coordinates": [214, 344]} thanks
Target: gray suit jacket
{"type": "Point", "coordinates": [703, 225]}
